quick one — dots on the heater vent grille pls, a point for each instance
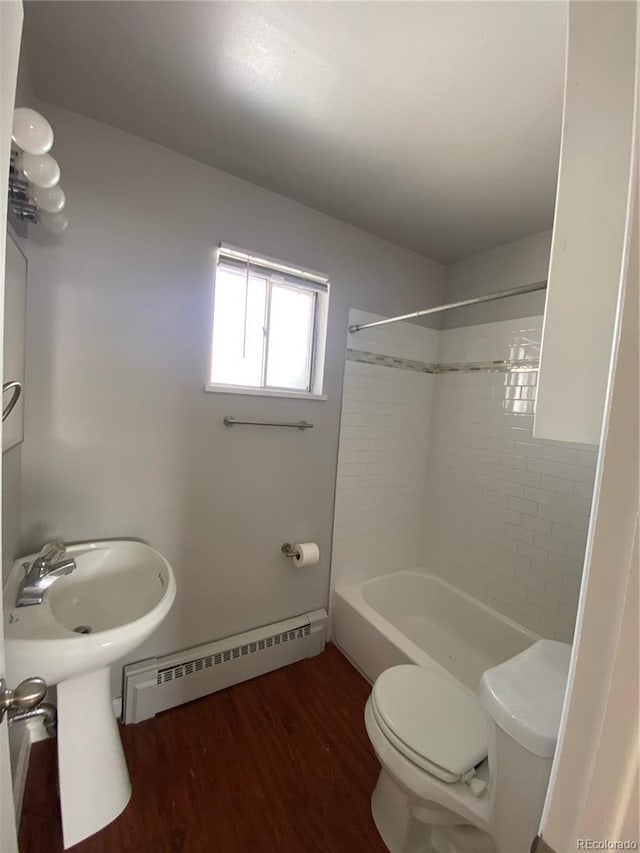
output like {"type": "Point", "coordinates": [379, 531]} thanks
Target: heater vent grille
{"type": "Point", "coordinates": [182, 670]}
{"type": "Point", "coordinates": [156, 684]}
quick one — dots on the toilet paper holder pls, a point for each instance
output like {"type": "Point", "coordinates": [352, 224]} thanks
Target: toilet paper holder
{"type": "Point", "coordinates": [289, 551]}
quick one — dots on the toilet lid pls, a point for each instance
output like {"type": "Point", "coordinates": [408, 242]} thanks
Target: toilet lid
{"type": "Point", "coordinates": [431, 717]}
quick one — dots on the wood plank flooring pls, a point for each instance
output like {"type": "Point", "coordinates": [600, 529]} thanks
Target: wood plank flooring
{"type": "Point", "coordinates": [281, 763]}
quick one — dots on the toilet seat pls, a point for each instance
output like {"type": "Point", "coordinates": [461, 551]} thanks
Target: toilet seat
{"type": "Point", "coordinates": [431, 719]}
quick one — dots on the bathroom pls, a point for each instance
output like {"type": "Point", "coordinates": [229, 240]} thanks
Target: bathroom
{"type": "Point", "coordinates": [440, 470]}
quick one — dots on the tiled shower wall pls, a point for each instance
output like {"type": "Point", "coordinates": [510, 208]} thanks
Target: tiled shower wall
{"type": "Point", "coordinates": [438, 468]}
{"type": "Point", "coordinates": [382, 459]}
{"type": "Point", "coordinates": [505, 515]}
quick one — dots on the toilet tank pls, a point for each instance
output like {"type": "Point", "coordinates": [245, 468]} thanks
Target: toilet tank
{"type": "Point", "coordinates": [523, 698]}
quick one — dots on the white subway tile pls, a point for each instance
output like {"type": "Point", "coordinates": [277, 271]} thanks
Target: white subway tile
{"type": "Point", "coordinates": [551, 545]}
{"type": "Point", "coordinates": [540, 496]}
{"type": "Point", "coordinates": [568, 564]}
{"type": "Point", "coordinates": [583, 490]}
{"type": "Point", "coordinates": [569, 534]}
{"type": "Point", "coordinates": [527, 478]}
{"type": "Point", "coordinates": [539, 525]}
{"type": "Point", "coordinates": [562, 516]}
{"type": "Point", "coordinates": [577, 505]}
{"type": "Point", "coordinates": [556, 484]}
{"type": "Point", "coordinates": [530, 580]}
{"type": "Point", "coordinates": [534, 552]}
{"type": "Point", "coordinates": [543, 601]}
{"type": "Point", "coordinates": [518, 532]}
{"type": "Point", "coordinates": [528, 507]}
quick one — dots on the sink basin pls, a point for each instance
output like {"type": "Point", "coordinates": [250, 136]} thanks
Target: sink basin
{"type": "Point", "coordinates": [118, 594]}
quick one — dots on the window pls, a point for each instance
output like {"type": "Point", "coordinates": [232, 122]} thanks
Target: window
{"type": "Point", "coordinates": [269, 326]}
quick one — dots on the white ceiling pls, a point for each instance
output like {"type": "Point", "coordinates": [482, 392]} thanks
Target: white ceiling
{"type": "Point", "coordinates": [433, 124]}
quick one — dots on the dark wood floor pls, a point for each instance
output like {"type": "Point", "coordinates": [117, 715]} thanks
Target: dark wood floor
{"type": "Point", "coordinates": [281, 763]}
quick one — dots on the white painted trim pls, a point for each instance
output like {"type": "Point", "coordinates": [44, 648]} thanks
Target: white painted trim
{"type": "Point", "coordinates": [117, 707]}
{"type": "Point", "coordinates": [230, 251]}
{"type": "Point", "coordinates": [263, 392]}
{"type": "Point", "coordinates": [593, 789]}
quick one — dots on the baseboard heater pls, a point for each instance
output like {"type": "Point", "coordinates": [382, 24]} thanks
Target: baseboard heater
{"type": "Point", "coordinates": [156, 684]}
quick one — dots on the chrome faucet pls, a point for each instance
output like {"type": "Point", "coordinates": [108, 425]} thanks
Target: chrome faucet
{"type": "Point", "coordinates": [47, 567]}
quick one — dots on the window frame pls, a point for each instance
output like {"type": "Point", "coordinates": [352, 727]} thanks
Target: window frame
{"type": "Point", "coordinates": [277, 273]}
{"type": "Point", "coordinates": [309, 360]}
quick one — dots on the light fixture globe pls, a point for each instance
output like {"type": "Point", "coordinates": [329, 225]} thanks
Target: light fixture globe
{"type": "Point", "coordinates": [51, 200]}
{"type": "Point", "coordinates": [31, 131]}
{"type": "Point", "coordinates": [41, 169]}
{"type": "Point", "coordinates": [54, 222]}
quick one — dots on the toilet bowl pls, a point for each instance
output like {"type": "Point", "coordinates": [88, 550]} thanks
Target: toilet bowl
{"type": "Point", "coordinates": [462, 773]}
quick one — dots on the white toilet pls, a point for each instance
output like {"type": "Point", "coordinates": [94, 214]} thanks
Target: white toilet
{"type": "Point", "coordinates": [461, 773]}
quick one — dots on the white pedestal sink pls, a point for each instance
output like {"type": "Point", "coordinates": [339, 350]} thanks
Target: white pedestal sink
{"type": "Point", "coordinates": [120, 592]}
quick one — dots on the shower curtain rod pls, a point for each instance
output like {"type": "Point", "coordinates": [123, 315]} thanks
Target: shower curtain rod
{"type": "Point", "coordinates": [489, 297]}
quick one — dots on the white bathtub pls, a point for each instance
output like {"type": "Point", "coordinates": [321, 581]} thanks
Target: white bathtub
{"type": "Point", "coordinates": [415, 617]}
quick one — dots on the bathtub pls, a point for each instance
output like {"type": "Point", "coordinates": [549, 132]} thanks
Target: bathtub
{"type": "Point", "coordinates": [415, 617]}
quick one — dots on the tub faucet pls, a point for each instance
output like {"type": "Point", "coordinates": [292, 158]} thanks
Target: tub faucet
{"type": "Point", "coordinates": [47, 567]}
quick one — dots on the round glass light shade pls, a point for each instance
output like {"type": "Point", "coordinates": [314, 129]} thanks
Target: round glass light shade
{"type": "Point", "coordinates": [41, 169]}
{"type": "Point", "coordinates": [50, 200]}
{"type": "Point", "coordinates": [54, 222]}
{"type": "Point", "coordinates": [31, 131]}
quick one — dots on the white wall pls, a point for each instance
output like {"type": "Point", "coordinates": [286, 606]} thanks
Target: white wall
{"type": "Point", "coordinates": [11, 485]}
{"type": "Point", "coordinates": [506, 516]}
{"type": "Point", "coordinates": [382, 460]}
{"type": "Point", "coordinates": [121, 439]}
{"type": "Point", "coordinates": [590, 218]}
{"type": "Point", "coordinates": [11, 488]}
{"type": "Point", "coordinates": [512, 265]}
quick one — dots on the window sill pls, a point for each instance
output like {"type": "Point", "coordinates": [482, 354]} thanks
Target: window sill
{"type": "Point", "coordinates": [263, 392]}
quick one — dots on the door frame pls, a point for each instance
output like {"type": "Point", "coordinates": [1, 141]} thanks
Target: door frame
{"type": "Point", "coordinates": [594, 786]}
{"type": "Point", "coordinates": [11, 18]}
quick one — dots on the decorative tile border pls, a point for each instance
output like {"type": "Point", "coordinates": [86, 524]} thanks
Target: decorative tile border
{"type": "Point", "coordinates": [390, 361]}
{"type": "Point", "coordinates": [507, 366]}
{"type": "Point", "coordinates": [500, 366]}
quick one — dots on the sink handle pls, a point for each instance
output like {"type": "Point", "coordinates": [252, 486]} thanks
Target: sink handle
{"type": "Point", "coordinates": [51, 552]}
